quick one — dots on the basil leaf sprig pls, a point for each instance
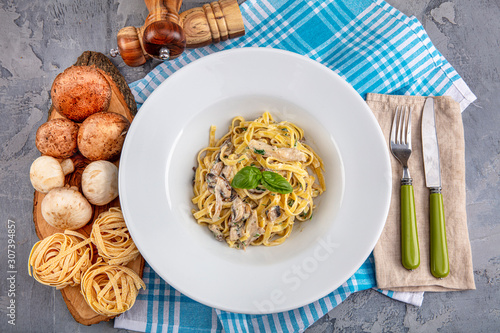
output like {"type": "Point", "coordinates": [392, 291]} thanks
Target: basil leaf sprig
{"type": "Point", "coordinates": [275, 182]}
{"type": "Point", "coordinates": [250, 177]}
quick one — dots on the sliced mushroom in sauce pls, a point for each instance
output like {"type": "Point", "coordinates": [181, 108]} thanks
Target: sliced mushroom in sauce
{"type": "Point", "coordinates": [217, 232]}
{"type": "Point", "coordinates": [219, 184]}
{"type": "Point", "coordinates": [252, 228]}
{"type": "Point", "coordinates": [228, 172]}
{"type": "Point", "coordinates": [226, 149]}
{"type": "Point", "coordinates": [240, 211]}
{"type": "Point", "coordinates": [217, 168]}
{"type": "Point", "coordinates": [222, 190]}
{"type": "Point", "coordinates": [257, 190]}
{"type": "Point", "coordinates": [235, 232]}
{"type": "Point", "coordinates": [273, 213]}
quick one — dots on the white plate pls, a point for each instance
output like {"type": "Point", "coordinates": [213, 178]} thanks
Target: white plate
{"type": "Point", "coordinates": [173, 125]}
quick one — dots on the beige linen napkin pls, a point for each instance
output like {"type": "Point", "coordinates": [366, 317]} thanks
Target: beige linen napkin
{"type": "Point", "coordinates": [390, 272]}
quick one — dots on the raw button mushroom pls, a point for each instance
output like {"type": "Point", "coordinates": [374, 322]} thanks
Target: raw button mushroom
{"type": "Point", "coordinates": [100, 182]}
{"type": "Point", "coordinates": [47, 173]}
{"type": "Point", "coordinates": [80, 91]}
{"type": "Point", "coordinates": [66, 208]}
{"type": "Point", "coordinates": [57, 138]}
{"type": "Point", "coordinates": [101, 136]}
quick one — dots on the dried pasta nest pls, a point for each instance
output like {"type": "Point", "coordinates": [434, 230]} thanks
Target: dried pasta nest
{"type": "Point", "coordinates": [112, 239]}
{"type": "Point", "coordinates": [61, 259]}
{"type": "Point", "coordinates": [110, 289]}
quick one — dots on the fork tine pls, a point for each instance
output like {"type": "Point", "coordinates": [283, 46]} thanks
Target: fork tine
{"type": "Point", "coordinates": [408, 131]}
{"type": "Point", "coordinates": [403, 126]}
{"type": "Point", "coordinates": [394, 125]}
{"type": "Point", "coordinates": [400, 126]}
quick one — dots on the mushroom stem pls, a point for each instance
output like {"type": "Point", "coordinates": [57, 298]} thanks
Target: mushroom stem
{"type": "Point", "coordinates": [67, 166]}
{"type": "Point", "coordinates": [47, 173]}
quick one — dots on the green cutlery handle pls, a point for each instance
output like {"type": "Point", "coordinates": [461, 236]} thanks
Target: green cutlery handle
{"type": "Point", "coordinates": [440, 266]}
{"type": "Point", "coordinates": [410, 252]}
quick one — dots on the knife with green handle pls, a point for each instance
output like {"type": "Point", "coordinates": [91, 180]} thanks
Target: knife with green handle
{"type": "Point", "coordinates": [440, 266]}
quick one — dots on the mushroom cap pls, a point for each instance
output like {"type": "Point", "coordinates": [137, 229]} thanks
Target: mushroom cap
{"type": "Point", "coordinates": [100, 182]}
{"type": "Point", "coordinates": [46, 173]}
{"type": "Point", "coordinates": [101, 136]}
{"type": "Point", "coordinates": [57, 138]}
{"type": "Point", "coordinates": [80, 91]}
{"type": "Point", "coordinates": [66, 208]}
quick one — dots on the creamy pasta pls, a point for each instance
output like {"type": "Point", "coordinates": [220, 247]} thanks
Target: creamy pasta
{"type": "Point", "coordinates": [239, 186]}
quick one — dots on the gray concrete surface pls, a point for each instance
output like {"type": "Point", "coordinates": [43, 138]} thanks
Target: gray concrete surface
{"type": "Point", "coordinates": [38, 39]}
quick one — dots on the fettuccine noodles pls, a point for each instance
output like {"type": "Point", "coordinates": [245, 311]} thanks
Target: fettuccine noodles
{"type": "Point", "coordinates": [257, 216]}
{"type": "Point", "coordinates": [110, 289]}
{"type": "Point", "coordinates": [112, 239]}
{"type": "Point", "coordinates": [60, 259]}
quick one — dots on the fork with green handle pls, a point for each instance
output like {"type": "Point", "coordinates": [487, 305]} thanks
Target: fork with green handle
{"type": "Point", "coordinates": [400, 143]}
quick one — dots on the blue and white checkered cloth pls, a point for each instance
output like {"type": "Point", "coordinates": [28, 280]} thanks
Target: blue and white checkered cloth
{"type": "Point", "coordinates": [372, 46]}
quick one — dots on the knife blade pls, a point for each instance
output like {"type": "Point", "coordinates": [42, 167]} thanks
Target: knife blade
{"type": "Point", "coordinates": [440, 266]}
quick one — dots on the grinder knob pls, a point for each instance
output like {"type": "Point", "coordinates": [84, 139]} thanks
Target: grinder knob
{"type": "Point", "coordinates": [164, 40]}
{"type": "Point", "coordinates": [162, 30]}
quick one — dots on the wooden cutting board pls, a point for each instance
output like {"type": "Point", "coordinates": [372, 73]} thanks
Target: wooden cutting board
{"type": "Point", "coordinates": [122, 102]}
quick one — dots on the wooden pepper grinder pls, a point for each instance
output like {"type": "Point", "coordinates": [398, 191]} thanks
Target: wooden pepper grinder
{"type": "Point", "coordinates": [212, 23]}
{"type": "Point", "coordinates": [201, 26]}
{"type": "Point", "coordinates": [160, 37]}
{"type": "Point", "coordinates": [163, 37]}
